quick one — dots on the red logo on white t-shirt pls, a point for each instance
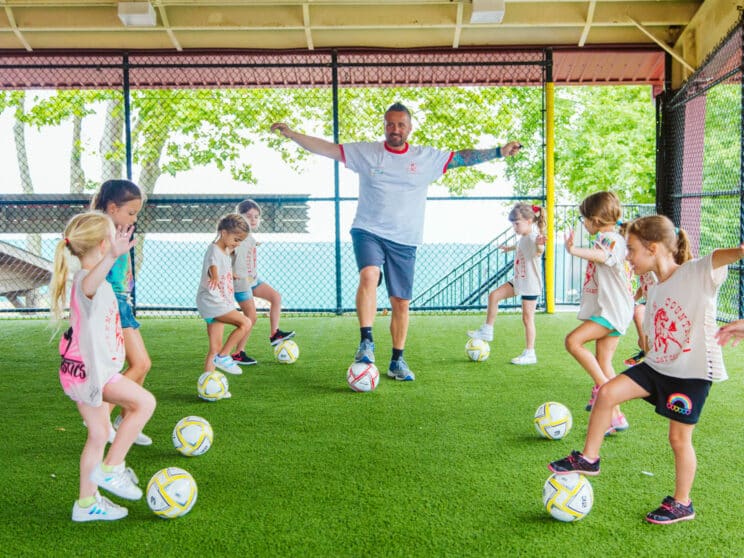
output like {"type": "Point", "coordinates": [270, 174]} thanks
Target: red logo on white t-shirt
{"type": "Point", "coordinates": [412, 168]}
{"type": "Point", "coordinates": [590, 279]}
{"type": "Point", "coordinates": [671, 331]}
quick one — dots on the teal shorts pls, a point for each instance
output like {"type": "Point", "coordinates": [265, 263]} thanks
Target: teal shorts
{"type": "Point", "coordinates": [604, 323]}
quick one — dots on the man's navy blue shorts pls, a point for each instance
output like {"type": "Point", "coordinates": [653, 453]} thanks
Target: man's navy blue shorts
{"type": "Point", "coordinates": [396, 260]}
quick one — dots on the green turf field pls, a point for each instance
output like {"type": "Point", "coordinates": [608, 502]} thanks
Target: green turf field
{"type": "Point", "coordinates": [449, 465]}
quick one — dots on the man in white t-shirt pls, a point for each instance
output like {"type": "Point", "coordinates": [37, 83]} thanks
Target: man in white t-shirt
{"type": "Point", "coordinates": [394, 178]}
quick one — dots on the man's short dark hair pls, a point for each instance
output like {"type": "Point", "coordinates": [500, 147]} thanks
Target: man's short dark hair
{"type": "Point", "coordinates": [399, 107]}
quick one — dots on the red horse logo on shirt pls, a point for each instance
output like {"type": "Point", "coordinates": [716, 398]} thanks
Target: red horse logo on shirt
{"type": "Point", "coordinates": [664, 331]}
{"type": "Point", "coordinates": [590, 280]}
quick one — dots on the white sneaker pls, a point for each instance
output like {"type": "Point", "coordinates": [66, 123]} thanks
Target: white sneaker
{"type": "Point", "coordinates": [142, 439]}
{"type": "Point", "coordinates": [227, 364]}
{"type": "Point", "coordinates": [102, 509]}
{"type": "Point", "coordinates": [525, 358]}
{"type": "Point", "coordinates": [485, 333]}
{"type": "Point", "coordinates": [119, 482]}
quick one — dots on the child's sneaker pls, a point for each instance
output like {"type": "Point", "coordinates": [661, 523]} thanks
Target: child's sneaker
{"type": "Point", "coordinates": [280, 335]}
{"type": "Point", "coordinates": [119, 482]}
{"type": "Point", "coordinates": [671, 511]}
{"type": "Point", "coordinates": [102, 509]}
{"type": "Point", "coordinates": [141, 439]}
{"type": "Point", "coordinates": [365, 352]}
{"type": "Point", "coordinates": [400, 371]}
{"type": "Point", "coordinates": [485, 333]}
{"type": "Point", "coordinates": [227, 364]}
{"type": "Point", "coordinates": [620, 423]}
{"type": "Point", "coordinates": [525, 358]}
{"type": "Point", "coordinates": [635, 359]}
{"type": "Point", "coordinates": [243, 359]}
{"type": "Point", "coordinates": [574, 463]}
{"type": "Point", "coordinates": [593, 398]}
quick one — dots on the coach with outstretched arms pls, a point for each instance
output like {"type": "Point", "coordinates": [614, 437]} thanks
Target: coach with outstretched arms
{"type": "Point", "coordinates": [393, 181]}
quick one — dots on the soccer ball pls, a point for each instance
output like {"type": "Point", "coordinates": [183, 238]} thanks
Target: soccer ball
{"type": "Point", "coordinates": [192, 436]}
{"type": "Point", "coordinates": [287, 351]}
{"type": "Point", "coordinates": [477, 349]}
{"type": "Point", "coordinates": [553, 420]}
{"type": "Point", "coordinates": [568, 497]}
{"type": "Point", "coordinates": [362, 376]}
{"type": "Point", "coordinates": [171, 492]}
{"type": "Point", "coordinates": [212, 386]}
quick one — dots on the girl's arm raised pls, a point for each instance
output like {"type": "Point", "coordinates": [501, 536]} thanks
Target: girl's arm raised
{"type": "Point", "coordinates": [726, 256]}
{"type": "Point", "coordinates": [591, 254]}
{"type": "Point", "coordinates": [119, 244]}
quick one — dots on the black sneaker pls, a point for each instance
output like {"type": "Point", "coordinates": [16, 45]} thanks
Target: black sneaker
{"type": "Point", "coordinates": [280, 336]}
{"type": "Point", "coordinates": [574, 463]}
{"type": "Point", "coordinates": [243, 359]}
{"type": "Point", "coordinates": [671, 511]}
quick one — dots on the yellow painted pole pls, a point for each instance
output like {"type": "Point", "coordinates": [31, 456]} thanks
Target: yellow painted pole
{"type": "Point", "coordinates": [550, 196]}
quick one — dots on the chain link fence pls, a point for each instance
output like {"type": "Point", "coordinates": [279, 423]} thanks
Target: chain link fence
{"type": "Point", "coordinates": [700, 184]}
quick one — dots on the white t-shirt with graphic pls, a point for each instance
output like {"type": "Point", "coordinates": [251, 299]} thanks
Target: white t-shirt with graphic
{"type": "Point", "coordinates": [245, 265]}
{"type": "Point", "coordinates": [220, 301]}
{"type": "Point", "coordinates": [100, 341]}
{"type": "Point", "coordinates": [393, 187]}
{"type": "Point", "coordinates": [644, 282]}
{"type": "Point", "coordinates": [680, 322]}
{"type": "Point", "coordinates": [607, 292]}
{"type": "Point", "coordinates": [527, 267]}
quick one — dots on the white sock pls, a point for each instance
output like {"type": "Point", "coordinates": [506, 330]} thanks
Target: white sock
{"type": "Point", "coordinates": [487, 328]}
{"type": "Point", "coordinates": [529, 352]}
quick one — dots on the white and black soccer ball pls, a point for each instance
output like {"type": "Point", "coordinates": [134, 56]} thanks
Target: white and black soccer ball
{"type": "Point", "coordinates": [477, 350]}
{"type": "Point", "coordinates": [568, 497]}
{"type": "Point", "coordinates": [192, 436]}
{"type": "Point", "coordinates": [287, 352]}
{"type": "Point", "coordinates": [171, 492]}
{"type": "Point", "coordinates": [553, 420]}
{"type": "Point", "coordinates": [362, 376]}
{"type": "Point", "coordinates": [212, 386]}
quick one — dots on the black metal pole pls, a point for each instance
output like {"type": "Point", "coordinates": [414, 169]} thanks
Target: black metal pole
{"type": "Point", "coordinates": [336, 184]}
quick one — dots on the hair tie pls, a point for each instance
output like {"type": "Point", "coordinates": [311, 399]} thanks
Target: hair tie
{"type": "Point", "coordinates": [676, 231]}
{"type": "Point", "coordinates": [67, 241]}
{"type": "Point", "coordinates": [619, 223]}
{"type": "Point", "coordinates": [536, 209]}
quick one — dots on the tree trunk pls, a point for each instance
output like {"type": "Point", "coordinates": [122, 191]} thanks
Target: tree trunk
{"type": "Point", "coordinates": [77, 175]}
{"type": "Point", "coordinates": [111, 142]}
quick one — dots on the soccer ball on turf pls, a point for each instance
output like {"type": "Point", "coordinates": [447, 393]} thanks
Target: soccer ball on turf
{"type": "Point", "coordinates": [192, 436]}
{"type": "Point", "coordinates": [212, 386]}
{"type": "Point", "coordinates": [568, 497]}
{"type": "Point", "coordinates": [287, 351]}
{"type": "Point", "coordinates": [362, 376]}
{"type": "Point", "coordinates": [477, 349]}
{"type": "Point", "coordinates": [171, 492]}
{"type": "Point", "coordinates": [553, 420]}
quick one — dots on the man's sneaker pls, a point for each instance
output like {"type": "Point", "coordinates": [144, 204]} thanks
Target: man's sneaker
{"type": "Point", "coordinates": [140, 440]}
{"type": "Point", "coordinates": [119, 482]}
{"type": "Point", "coordinates": [485, 333]}
{"type": "Point", "coordinates": [593, 398]}
{"type": "Point", "coordinates": [620, 423]}
{"type": "Point", "coordinates": [102, 509]}
{"type": "Point", "coordinates": [400, 371]}
{"type": "Point", "coordinates": [365, 352]}
{"type": "Point", "coordinates": [671, 511]}
{"type": "Point", "coordinates": [575, 463]}
{"type": "Point", "coordinates": [243, 359]}
{"type": "Point", "coordinates": [635, 359]}
{"type": "Point", "coordinates": [280, 335]}
{"type": "Point", "coordinates": [227, 364]}
{"type": "Point", "coordinates": [525, 358]}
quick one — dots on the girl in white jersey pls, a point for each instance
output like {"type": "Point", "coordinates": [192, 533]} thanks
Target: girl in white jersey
{"type": "Point", "coordinates": [527, 280]}
{"type": "Point", "coordinates": [683, 357]}
{"type": "Point", "coordinates": [92, 353]}
{"type": "Point", "coordinates": [606, 302]}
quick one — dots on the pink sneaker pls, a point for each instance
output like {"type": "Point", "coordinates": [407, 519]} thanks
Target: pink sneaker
{"type": "Point", "coordinates": [620, 423]}
{"type": "Point", "coordinates": [593, 398]}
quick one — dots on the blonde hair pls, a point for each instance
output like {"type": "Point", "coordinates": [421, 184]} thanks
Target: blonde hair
{"type": "Point", "coordinates": [660, 229]}
{"type": "Point", "coordinates": [531, 213]}
{"type": "Point", "coordinates": [83, 233]}
{"type": "Point", "coordinates": [602, 208]}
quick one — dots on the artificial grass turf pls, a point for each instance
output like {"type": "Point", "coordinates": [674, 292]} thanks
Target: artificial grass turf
{"type": "Point", "coordinates": [449, 465]}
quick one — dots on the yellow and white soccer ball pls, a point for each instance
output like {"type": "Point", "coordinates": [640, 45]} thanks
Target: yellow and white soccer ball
{"type": "Point", "coordinates": [192, 436]}
{"type": "Point", "coordinates": [362, 376]}
{"type": "Point", "coordinates": [287, 351]}
{"type": "Point", "coordinates": [212, 386]}
{"type": "Point", "coordinates": [477, 349]}
{"type": "Point", "coordinates": [568, 497]}
{"type": "Point", "coordinates": [553, 420]}
{"type": "Point", "coordinates": [171, 492]}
